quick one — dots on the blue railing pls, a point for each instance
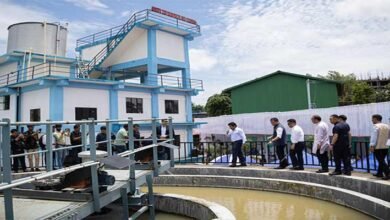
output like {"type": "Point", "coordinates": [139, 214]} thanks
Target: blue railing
{"type": "Point", "coordinates": [139, 16]}
{"type": "Point", "coordinates": [51, 69]}
{"type": "Point", "coordinates": [262, 153]}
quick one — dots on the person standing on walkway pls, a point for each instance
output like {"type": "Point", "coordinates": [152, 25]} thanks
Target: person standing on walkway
{"type": "Point", "coordinates": [238, 138]}
{"type": "Point", "coordinates": [279, 140]}
{"type": "Point", "coordinates": [76, 139]}
{"type": "Point", "coordinates": [378, 144]}
{"type": "Point", "coordinates": [297, 145]}
{"type": "Point", "coordinates": [122, 139]}
{"type": "Point", "coordinates": [340, 146]}
{"type": "Point", "coordinates": [343, 119]}
{"type": "Point", "coordinates": [17, 147]}
{"type": "Point", "coordinates": [31, 145]}
{"type": "Point", "coordinates": [59, 137]}
{"type": "Point", "coordinates": [321, 143]}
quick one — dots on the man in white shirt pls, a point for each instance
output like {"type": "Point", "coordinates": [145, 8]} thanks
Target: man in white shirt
{"type": "Point", "coordinates": [378, 144]}
{"type": "Point", "coordinates": [321, 143]}
{"type": "Point", "coordinates": [122, 139]}
{"type": "Point", "coordinates": [297, 145]}
{"type": "Point", "coordinates": [238, 138]}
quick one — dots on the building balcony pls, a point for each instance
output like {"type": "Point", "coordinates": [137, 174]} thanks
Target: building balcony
{"type": "Point", "coordinates": [50, 70]}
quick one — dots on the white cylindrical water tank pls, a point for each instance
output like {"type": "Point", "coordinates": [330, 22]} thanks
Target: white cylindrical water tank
{"type": "Point", "coordinates": [37, 37]}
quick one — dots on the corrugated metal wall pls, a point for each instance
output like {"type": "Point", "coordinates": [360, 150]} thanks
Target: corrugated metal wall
{"type": "Point", "coordinates": [282, 93]}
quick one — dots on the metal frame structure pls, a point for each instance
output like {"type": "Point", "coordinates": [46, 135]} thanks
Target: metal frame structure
{"type": "Point", "coordinates": [126, 190]}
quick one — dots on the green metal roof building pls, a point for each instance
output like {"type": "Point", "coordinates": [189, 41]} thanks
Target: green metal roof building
{"type": "Point", "coordinates": [283, 91]}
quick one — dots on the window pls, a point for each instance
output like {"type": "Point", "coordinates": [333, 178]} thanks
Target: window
{"type": "Point", "coordinates": [172, 106]}
{"type": "Point", "coordinates": [134, 105]}
{"type": "Point", "coordinates": [86, 113]}
{"type": "Point", "coordinates": [4, 102]}
{"type": "Point", "coordinates": [35, 114]}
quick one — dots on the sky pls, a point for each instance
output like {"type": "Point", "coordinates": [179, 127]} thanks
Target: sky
{"type": "Point", "coordinates": [241, 40]}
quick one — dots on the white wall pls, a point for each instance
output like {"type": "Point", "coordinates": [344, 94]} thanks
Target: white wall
{"type": "Point", "coordinates": [33, 100]}
{"type": "Point", "coordinates": [90, 52]}
{"type": "Point", "coordinates": [181, 117]}
{"type": "Point", "coordinates": [11, 113]}
{"type": "Point", "coordinates": [359, 119]}
{"type": "Point", "coordinates": [170, 46]}
{"type": "Point", "coordinates": [7, 68]}
{"type": "Point", "coordinates": [133, 47]}
{"type": "Point", "coordinates": [147, 105]}
{"type": "Point", "coordinates": [4, 70]}
{"type": "Point", "coordinates": [86, 98]}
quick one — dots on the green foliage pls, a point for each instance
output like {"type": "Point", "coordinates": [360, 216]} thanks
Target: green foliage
{"type": "Point", "coordinates": [353, 91]}
{"type": "Point", "coordinates": [219, 104]}
{"type": "Point", "coordinates": [197, 108]}
{"type": "Point", "coordinates": [383, 95]}
{"type": "Point", "coordinates": [345, 89]}
{"type": "Point", "coordinates": [362, 93]}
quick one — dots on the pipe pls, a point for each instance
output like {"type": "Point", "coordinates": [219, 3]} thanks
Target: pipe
{"type": "Point", "coordinates": [308, 94]}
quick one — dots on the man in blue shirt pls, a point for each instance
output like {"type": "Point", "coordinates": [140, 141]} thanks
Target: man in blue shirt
{"type": "Point", "coordinates": [340, 146]}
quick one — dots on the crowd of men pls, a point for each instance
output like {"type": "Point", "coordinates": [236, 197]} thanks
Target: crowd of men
{"type": "Point", "coordinates": [340, 144]}
{"type": "Point", "coordinates": [71, 144]}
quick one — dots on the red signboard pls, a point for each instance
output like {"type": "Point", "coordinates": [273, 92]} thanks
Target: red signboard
{"type": "Point", "coordinates": [173, 15]}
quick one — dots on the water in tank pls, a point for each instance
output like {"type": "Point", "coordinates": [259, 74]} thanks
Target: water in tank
{"type": "Point", "coordinates": [37, 37]}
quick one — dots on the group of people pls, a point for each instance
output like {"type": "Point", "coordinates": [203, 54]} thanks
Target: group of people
{"type": "Point", "coordinates": [121, 142]}
{"type": "Point", "coordinates": [30, 142]}
{"type": "Point", "coordinates": [340, 144]}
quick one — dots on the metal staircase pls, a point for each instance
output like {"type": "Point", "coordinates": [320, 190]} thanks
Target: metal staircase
{"type": "Point", "coordinates": [82, 69]}
{"type": "Point", "coordinates": [111, 45]}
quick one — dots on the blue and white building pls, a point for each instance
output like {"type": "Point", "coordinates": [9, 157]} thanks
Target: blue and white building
{"type": "Point", "coordinates": [140, 69]}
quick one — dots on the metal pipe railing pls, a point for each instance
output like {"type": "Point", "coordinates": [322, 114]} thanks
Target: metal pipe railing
{"type": "Point", "coordinates": [7, 184]}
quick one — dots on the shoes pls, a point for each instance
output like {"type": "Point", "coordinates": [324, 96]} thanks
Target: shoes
{"type": "Point", "coordinates": [335, 173]}
{"type": "Point", "coordinates": [322, 171]}
{"type": "Point", "coordinates": [37, 169]}
{"type": "Point", "coordinates": [24, 170]}
{"type": "Point", "coordinates": [347, 173]}
{"type": "Point", "coordinates": [233, 165]}
{"type": "Point", "coordinates": [378, 175]}
{"type": "Point", "coordinates": [32, 170]}
{"type": "Point", "coordinates": [386, 177]}
{"type": "Point", "coordinates": [243, 165]}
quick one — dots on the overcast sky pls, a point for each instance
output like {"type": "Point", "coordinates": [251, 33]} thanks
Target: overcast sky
{"type": "Point", "coordinates": [241, 40]}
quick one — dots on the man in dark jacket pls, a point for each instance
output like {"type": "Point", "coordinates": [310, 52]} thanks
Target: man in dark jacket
{"type": "Point", "coordinates": [163, 133]}
{"type": "Point", "coordinates": [75, 139]}
{"type": "Point", "coordinates": [17, 147]}
{"type": "Point", "coordinates": [31, 145]}
{"type": "Point", "coordinates": [102, 136]}
{"type": "Point", "coordinates": [279, 140]}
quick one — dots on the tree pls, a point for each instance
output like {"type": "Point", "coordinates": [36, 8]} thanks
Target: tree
{"type": "Point", "coordinates": [362, 93]}
{"type": "Point", "coordinates": [383, 94]}
{"type": "Point", "coordinates": [197, 108]}
{"type": "Point", "coordinates": [219, 104]}
{"type": "Point", "coordinates": [345, 88]}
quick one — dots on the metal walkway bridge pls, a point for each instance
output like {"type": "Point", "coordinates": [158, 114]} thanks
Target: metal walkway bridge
{"type": "Point", "coordinates": [21, 202]}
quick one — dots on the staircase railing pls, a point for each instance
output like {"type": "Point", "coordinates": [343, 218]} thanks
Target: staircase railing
{"type": "Point", "coordinates": [111, 44]}
{"type": "Point", "coordinates": [145, 14]}
{"type": "Point", "coordinates": [120, 35]}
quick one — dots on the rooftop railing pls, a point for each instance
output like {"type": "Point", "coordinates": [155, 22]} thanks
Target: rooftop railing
{"type": "Point", "coordinates": [139, 16]}
{"type": "Point", "coordinates": [52, 69]}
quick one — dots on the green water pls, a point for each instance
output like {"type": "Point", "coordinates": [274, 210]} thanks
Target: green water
{"type": "Point", "coordinates": [251, 204]}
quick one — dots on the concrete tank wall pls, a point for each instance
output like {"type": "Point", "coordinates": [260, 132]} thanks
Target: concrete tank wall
{"type": "Point", "coordinates": [28, 36]}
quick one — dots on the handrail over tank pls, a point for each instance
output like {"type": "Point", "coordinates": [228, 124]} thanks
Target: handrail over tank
{"type": "Point", "coordinates": [146, 14]}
